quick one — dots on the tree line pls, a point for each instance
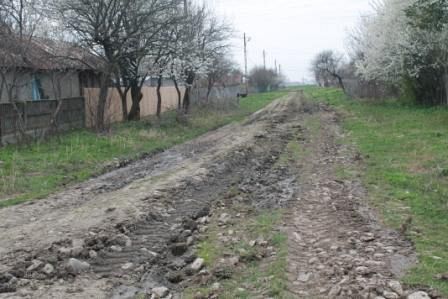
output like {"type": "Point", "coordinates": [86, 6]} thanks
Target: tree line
{"type": "Point", "coordinates": [403, 44]}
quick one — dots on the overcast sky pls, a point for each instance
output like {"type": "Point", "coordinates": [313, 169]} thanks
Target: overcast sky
{"type": "Point", "coordinates": [291, 31]}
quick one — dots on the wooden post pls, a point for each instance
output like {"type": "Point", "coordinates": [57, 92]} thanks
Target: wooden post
{"type": "Point", "coordinates": [246, 76]}
{"type": "Point", "coordinates": [264, 59]}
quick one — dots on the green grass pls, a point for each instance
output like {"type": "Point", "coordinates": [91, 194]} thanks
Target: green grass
{"type": "Point", "coordinates": [406, 150]}
{"type": "Point", "coordinates": [36, 170]}
{"type": "Point", "coordinates": [294, 152]}
{"type": "Point", "coordinates": [267, 277]}
{"type": "Point", "coordinates": [208, 249]}
{"type": "Point", "coordinates": [252, 277]}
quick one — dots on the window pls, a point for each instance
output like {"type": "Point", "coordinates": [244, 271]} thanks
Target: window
{"type": "Point", "coordinates": [37, 90]}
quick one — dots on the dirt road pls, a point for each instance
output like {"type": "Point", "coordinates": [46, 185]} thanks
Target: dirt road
{"type": "Point", "coordinates": [131, 231]}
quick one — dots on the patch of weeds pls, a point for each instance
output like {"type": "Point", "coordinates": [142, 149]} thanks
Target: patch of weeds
{"type": "Point", "coordinates": [444, 172]}
{"type": "Point", "coordinates": [265, 223]}
{"type": "Point", "coordinates": [276, 270]}
{"type": "Point", "coordinates": [208, 250]}
{"type": "Point", "coordinates": [294, 152]}
{"type": "Point", "coordinates": [313, 124]}
{"type": "Point", "coordinates": [343, 172]}
{"type": "Point", "coordinates": [261, 270]}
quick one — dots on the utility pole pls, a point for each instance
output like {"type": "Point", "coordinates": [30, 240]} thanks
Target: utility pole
{"type": "Point", "coordinates": [264, 59]}
{"type": "Point", "coordinates": [279, 69]}
{"type": "Point", "coordinates": [246, 76]}
{"type": "Point", "coordinates": [276, 70]}
{"type": "Point", "coordinates": [185, 7]}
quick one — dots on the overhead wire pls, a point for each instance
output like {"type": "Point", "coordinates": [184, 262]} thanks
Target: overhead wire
{"type": "Point", "coordinates": [249, 13]}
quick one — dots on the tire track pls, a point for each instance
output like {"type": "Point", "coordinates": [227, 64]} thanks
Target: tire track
{"type": "Point", "coordinates": [337, 247]}
{"type": "Point", "coordinates": [152, 248]}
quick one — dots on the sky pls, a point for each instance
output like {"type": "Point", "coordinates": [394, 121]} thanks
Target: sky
{"type": "Point", "coordinates": [290, 31]}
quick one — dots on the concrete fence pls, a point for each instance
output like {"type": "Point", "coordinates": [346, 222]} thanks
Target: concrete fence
{"type": "Point", "coordinates": [37, 117]}
{"type": "Point", "coordinates": [114, 114]}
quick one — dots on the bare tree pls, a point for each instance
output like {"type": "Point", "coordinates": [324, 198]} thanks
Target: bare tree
{"type": "Point", "coordinates": [10, 81]}
{"type": "Point", "coordinates": [145, 24]}
{"type": "Point", "coordinates": [160, 58]}
{"type": "Point", "coordinates": [98, 26]}
{"type": "Point", "coordinates": [264, 79]}
{"type": "Point", "coordinates": [222, 68]}
{"type": "Point", "coordinates": [123, 33]}
{"type": "Point", "coordinates": [327, 67]}
{"type": "Point", "coordinates": [21, 16]}
{"type": "Point", "coordinates": [18, 21]}
{"type": "Point", "coordinates": [201, 36]}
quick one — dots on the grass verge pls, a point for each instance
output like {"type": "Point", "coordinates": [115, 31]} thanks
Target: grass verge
{"type": "Point", "coordinates": [36, 170]}
{"type": "Point", "coordinates": [405, 148]}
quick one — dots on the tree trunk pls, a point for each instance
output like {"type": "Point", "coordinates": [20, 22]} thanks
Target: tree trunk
{"type": "Point", "coordinates": [445, 87]}
{"type": "Point", "coordinates": [53, 127]}
{"type": "Point", "coordinates": [137, 96]}
{"type": "Point", "coordinates": [12, 98]}
{"type": "Point", "coordinates": [21, 122]}
{"type": "Point", "coordinates": [159, 96]}
{"type": "Point", "coordinates": [101, 107]}
{"type": "Point", "coordinates": [189, 86]}
{"type": "Point", "coordinates": [209, 89]}
{"type": "Point", "coordinates": [341, 83]}
{"type": "Point", "coordinates": [123, 92]}
{"type": "Point", "coordinates": [57, 90]}
{"type": "Point", "coordinates": [179, 94]}
{"type": "Point", "coordinates": [124, 105]}
{"type": "Point", "coordinates": [2, 84]}
{"type": "Point", "coordinates": [186, 101]}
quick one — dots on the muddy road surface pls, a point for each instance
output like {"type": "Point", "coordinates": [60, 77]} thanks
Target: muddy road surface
{"type": "Point", "coordinates": [131, 233]}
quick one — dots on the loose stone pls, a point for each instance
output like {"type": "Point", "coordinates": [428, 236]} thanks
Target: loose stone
{"type": "Point", "coordinates": [75, 266]}
{"type": "Point", "coordinates": [197, 264]}
{"type": "Point", "coordinates": [419, 295]}
{"type": "Point", "coordinates": [160, 292]}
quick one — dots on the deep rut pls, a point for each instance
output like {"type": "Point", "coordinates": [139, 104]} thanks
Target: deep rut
{"type": "Point", "coordinates": [153, 248]}
{"type": "Point", "coordinates": [137, 226]}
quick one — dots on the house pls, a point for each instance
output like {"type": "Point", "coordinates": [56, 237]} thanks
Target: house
{"type": "Point", "coordinates": [33, 69]}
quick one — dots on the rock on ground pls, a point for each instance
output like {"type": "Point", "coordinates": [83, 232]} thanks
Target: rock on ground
{"type": "Point", "coordinates": [197, 265]}
{"type": "Point", "coordinates": [160, 292]}
{"type": "Point", "coordinates": [75, 266]}
{"type": "Point", "coordinates": [419, 295]}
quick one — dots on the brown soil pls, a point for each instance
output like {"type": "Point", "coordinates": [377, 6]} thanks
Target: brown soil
{"type": "Point", "coordinates": [337, 247]}
{"type": "Point", "coordinates": [135, 225]}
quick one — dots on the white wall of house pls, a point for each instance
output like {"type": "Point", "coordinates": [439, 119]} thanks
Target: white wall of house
{"type": "Point", "coordinates": [68, 81]}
